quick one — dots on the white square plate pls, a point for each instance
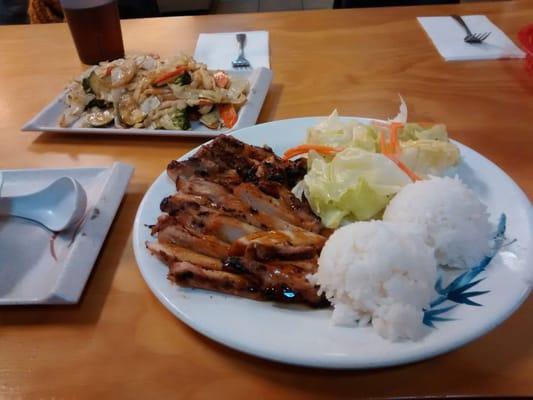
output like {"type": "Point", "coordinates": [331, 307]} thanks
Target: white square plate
{"type": "Point", "coordinates": [260, 79]}
{"type": "Point", "coordinates": [35, 267]}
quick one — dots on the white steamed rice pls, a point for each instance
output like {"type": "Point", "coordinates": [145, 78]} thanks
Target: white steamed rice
{"type": "Point", "coordinates": [380, 272]}
{"type": "Point", "coordinates": [456, 221]}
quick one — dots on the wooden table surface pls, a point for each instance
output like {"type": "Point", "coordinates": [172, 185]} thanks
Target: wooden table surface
{"type": "Point", "coordinates": [119, 341]}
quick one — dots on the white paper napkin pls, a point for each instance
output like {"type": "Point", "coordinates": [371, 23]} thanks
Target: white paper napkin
{"type": "Point", "coordinates": [448, 37]}
{"type": "Point", "coordinates": [218, 50]}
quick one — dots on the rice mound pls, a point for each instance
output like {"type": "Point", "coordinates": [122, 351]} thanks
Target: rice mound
{"type": "Point", "coordinates": [455, 220]}
{"type": "Point", "coordinates": [378, 272]}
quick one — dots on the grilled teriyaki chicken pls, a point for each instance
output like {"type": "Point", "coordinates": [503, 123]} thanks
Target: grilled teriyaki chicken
{"type": "Point", "coordinates": [234, 226]}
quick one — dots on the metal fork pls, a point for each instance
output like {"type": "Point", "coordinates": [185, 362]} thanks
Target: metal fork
{"type": "Point", "coordinates": [241, 61]}
{"type": "Point", "coordinates": [472, 38]}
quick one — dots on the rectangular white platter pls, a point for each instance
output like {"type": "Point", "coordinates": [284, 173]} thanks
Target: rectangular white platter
{"type": "Point", "coordinates": [31, 272]}
{"type": "Point", "coordinates": [47, 119]}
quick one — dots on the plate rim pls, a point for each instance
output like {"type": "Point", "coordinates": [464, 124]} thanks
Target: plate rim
{"type": "Point", "coordinates": [339, 364]}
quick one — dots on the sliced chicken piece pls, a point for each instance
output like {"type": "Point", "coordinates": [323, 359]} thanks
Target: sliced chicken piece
{"type": "Point", "coordinates": [279, 282]}
{"type": "Point", "coordinates": [211, 222]}
{"type": "Point", "coordinates": [214, 195]}
{"type": "Point", "coordinates": [309, 265]}
{"type": "Point", "coordinates": [170, 253]}
{"type": "Point", "coordinates": [171, 231]}
{"type": "Point", "coordinates": [190, 275]}
{"type": "Point", "coordinates": [261, 252]}
{"type": "Point", "coordinates": [286, 172]}
{"type": "Point", "coordinates": [288, 199]}
{"type": "Point", "coordinates": [263, 203]}
{"type": "Point", "coordinates": [182, 201]}
{"type": "Point", "coordinates": [203, 168]}
{"type": "Point", "coordinates": [228, 150]}
{"type": "Point", "coordinates": [252, 163]}
{"type": "Point", "coordinates": [280, 245]}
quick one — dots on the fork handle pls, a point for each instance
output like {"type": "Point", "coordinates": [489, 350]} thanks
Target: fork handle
{"type": "Point", "coordinates": [241, 39]}
{"type": "Point", "coordinates": [462, 23]}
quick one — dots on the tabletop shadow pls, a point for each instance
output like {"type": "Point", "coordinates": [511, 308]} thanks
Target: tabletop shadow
{"type": "Point", "coordinates": [110, 140]}
{"type": "Point", "coordinates": [88, 309]}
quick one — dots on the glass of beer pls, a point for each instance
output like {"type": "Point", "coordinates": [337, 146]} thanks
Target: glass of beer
{"type": "Point", "coordinates": [95, 28]}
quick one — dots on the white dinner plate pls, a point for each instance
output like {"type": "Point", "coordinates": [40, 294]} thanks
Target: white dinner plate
{"type": "Point", "coordinates": [303, 336]}
{"type": "Point", "coordinates": [260, 78]}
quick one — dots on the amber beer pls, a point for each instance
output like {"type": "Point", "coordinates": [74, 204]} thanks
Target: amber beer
{"type": "Point", "coordinates": [95, 28]}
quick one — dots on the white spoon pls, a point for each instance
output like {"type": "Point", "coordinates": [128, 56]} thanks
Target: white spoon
{"type": "Point", "coordinates": [57, 207]}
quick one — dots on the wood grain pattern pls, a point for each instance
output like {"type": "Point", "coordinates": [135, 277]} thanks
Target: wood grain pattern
{"type": "Point", "coordinates": [120, 342]}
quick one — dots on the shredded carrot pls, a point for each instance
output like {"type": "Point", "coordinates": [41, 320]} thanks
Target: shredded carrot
{"type": "Point", "coordinates": [403, 167]}
{"type": "Point", "coordinates": [394, 141]}
{"type": "Point", "coordinates": [392, 155]}
{"type": "Point", "coordinates": [382, 144]}
{"type": "Point", "coordinates": [305, 148]}
{"type": "Point", "coordinates": [228, 114]}
{"type": "Point", "coordinates": [168, 75]}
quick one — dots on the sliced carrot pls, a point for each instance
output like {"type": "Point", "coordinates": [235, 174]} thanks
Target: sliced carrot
{"type": "Point", "coordinates": [168, 75]}
{"type": "Point", "coordinates": [228, 114]}
{"type": "Point", "coordinates": [221, 79]}
{"type": "Point", "coordinates": [305, 148]}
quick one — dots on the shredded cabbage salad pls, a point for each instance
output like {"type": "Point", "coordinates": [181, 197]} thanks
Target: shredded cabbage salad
{"type": "Point", "coordinates": [357, 180]}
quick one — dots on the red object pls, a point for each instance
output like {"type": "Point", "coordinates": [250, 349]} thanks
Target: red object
{"type": "Point", "coordinates": [525, 36]}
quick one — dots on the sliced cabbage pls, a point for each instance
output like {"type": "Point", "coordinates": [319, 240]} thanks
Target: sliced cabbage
{"type": "Point", "coordinates": [429, 157]}
{"type": "Point", "coordinates": [414, 131]}
{"type": "Point", "coordinates": [402, 113]}
{"type": "Point", "coordinates": [334, 132]}
{"type": "Point", "coordinates": [424, 149]}
{"type": "Point", "coordinates": [353, 185]}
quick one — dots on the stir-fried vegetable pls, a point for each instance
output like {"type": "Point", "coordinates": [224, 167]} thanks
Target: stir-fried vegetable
{"type": "Point", "coordinates": [180, 120]}
{"type": "Point", "coordinates": [146, 92]}
{"type": "Point", "coordinates": [183, 79]}
{"type": "Point", "coordinates": [167, 76]}
{"type": "Point", "coordinates": [228, 114]}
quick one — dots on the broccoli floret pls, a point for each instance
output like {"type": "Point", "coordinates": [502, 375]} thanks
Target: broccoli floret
{"type": "Point", "coordinates": [180, 120]}
{"type": "Point", "coordinates": [183, 79]}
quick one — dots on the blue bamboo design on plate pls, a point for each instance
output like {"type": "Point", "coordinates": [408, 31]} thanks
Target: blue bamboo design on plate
{"type": "Point", "coordinates": [457, 291]}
